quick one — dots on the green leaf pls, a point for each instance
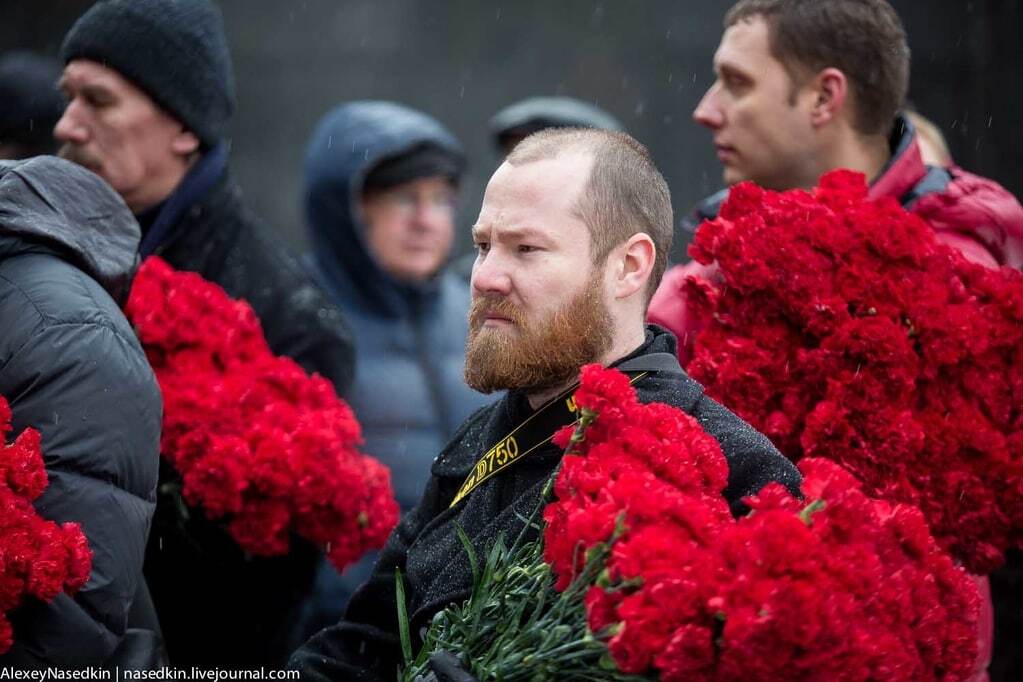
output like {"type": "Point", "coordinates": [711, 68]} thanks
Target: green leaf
{"type": "Point", "coordinates": [473, 560]}
{"type": "Point", "coordinates": [403, 630]}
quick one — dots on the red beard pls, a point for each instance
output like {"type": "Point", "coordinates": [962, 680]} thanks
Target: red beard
{"type": "Point", "coordinates": [540, 356]}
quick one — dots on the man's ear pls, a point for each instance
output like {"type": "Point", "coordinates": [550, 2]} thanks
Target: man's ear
{"type": "Point", "coordinates": [633, 263]}
{"type": "Point", "coordinates": [185, 143]}
{"type": "Point", "coordinates": [831, 89]}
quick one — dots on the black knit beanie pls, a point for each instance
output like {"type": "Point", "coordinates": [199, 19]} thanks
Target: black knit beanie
{"type": "Point", "coordinates": [174, 50]}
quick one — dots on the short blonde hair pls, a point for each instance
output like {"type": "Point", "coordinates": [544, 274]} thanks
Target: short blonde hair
{"type": "Point", "coordinates": [625, 195]}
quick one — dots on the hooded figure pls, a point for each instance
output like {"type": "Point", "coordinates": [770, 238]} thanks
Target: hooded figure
{"type": "Point", "coordinates": [379, 203]}
{"type": "Point", "coordinates": [72, 368]}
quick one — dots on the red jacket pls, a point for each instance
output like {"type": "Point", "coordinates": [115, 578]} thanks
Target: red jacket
{"type": "Point", "coordinates": [968, 212]}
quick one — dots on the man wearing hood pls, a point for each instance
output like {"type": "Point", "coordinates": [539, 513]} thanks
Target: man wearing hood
{"type": "Point", "coordinates": [150, 94]}
{"type": "Point", "coordinates": [380, 196]}
{"type": "Point", "coordinates": [71, 367]}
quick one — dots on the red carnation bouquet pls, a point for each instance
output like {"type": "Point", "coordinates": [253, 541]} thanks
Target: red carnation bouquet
{"type": "Point", "coordinates": [255, 440]}
{"type": "Point", "coordinates": [38, 558]}
{"type": "Point", "coordinates": [840, 328]}
{"type": "Point", "coordinates": [642, 571]}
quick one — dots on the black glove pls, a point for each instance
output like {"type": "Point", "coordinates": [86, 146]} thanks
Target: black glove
{"type": "Point", "coordinates": [449, 668]}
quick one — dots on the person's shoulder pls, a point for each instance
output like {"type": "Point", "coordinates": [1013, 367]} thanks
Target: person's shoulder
{"type": "Point", "coordinates": [48, 288]}
{"type": "Point", "coordinates": [471, 429]}
{"type": "Point", "coordinates": [460, 454]}
{"type": "Point", "coordinates": [677, 389]}
{"type": "Point", "coordinates": [260, 254]}
{"type": "Point", "coordinates": [972, 205]}
{"type": "Point", "coordinates": [985, 197]}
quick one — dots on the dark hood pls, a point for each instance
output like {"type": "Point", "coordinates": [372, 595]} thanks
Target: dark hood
{"type": "Point", "coordinates": [348, 142]}
{"type": "Point", "coordinates": [49, 205]}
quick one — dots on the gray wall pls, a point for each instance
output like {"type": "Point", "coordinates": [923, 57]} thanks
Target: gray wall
{"type": "Point", "coordinates": [647, 62]}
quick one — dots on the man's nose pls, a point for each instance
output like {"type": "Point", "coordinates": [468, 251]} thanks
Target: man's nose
{"type": "Point", "coordinates": [490, 275]}
{"type": "Point", "coordinates": [70, 127]}
{"type": "Point", "coordinates": [433, 215]}
{"type": "Point", "coordinates": [708, 113]}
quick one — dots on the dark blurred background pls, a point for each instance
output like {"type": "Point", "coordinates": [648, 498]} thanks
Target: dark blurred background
{"type": "Point", "coordinates": [646, 62]}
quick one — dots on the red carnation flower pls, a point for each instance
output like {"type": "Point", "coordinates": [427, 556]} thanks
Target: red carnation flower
{"type": "Point", "coordinates": [840, 328]}
{"type": "Point", "coordinates": [38, 558]}
{"type": "Point", "coordinates": [835, 586]}
{"type": "Point", "coordinates": [256, 441]}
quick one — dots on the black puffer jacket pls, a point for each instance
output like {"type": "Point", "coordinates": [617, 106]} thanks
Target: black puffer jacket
{"type": "Point", "coordinates": [426, 548]}
{"type": "Point", "coordinates": [71, 367]}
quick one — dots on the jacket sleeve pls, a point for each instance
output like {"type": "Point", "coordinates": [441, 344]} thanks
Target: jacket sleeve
{"type": "Point", "coordinates": [316, 336]}
{"type": "Point", "coordinates": [365, 645]}
{"type": "Point", "coordinates": [298, 319]}
{"type": "Point", "coordinates": [87, 388]}
{"type": "Point", "coordinates": [753, 461]}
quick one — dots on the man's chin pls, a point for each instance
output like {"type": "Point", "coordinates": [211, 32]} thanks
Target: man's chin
{"type": "Point", "coordinates": [491, 381]}
{"type": "Point", "coordinates": [733, 176]}
{"type": "Point", "coordinates": [495, 332]}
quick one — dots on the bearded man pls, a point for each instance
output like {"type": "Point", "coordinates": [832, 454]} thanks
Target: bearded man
{"type": "Point", "coordinates": [571, 242]}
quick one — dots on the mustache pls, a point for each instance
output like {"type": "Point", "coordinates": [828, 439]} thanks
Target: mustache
{"type": "Point", "coordinates": [79, 155]}
{"type": "Point", "coordinates": [484, 305]}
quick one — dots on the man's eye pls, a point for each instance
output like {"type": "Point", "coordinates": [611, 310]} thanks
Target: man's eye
{"type": "Point", "coordinates": [734, 83]}
{"type": "Point", "coordinates": [526, 248]}
{"type": "Point", "coordinates": [482, 247]}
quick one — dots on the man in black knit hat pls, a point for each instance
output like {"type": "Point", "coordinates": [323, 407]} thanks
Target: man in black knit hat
{"type": "Point", "coordinates": [150, 94]}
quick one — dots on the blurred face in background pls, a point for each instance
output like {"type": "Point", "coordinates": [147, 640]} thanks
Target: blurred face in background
{"type": "Point", "coordinates": [410, 227]}
{"type": "Point", "coordinates": [115, 130]}
{"type": "Point", "coordinates": [759, 117]}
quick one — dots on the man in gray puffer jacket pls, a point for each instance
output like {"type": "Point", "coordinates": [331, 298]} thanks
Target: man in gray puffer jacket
{"type": "Point", "coordinates": [71, 367]}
